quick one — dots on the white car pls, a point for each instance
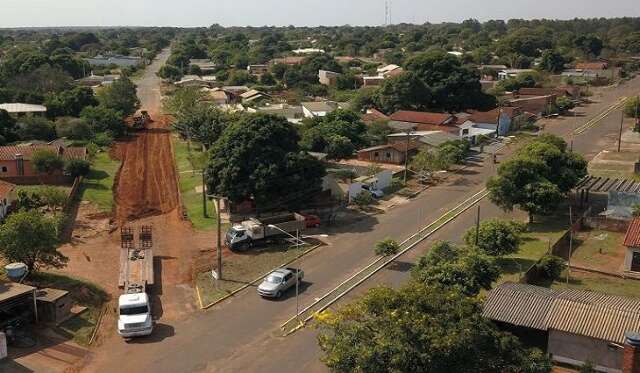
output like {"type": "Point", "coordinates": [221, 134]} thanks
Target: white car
{"type": "Point", "coordinates": [376, 193]}
{"type": "Point", "coordinates": [278, 281]}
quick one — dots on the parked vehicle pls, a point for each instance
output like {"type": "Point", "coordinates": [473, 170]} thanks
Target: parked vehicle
{"type": "Point", "coordinates": [134, 306]}
{"type": "Point", "coordinates": [251, 232]}
{"type": "Point", "coordinates": [279, 281]}
{"type": "Point", "coordinates": [376, 193]}
{"type": "Point", "coordinates": [311, 221]}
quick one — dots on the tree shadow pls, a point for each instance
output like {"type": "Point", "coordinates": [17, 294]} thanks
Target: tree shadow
{"type": "Point", "coordinates": [512, 266]}
{"type": "Point", "coordinates": [400, 266]}
{"type": "Point", "coordinates": [291, 292]}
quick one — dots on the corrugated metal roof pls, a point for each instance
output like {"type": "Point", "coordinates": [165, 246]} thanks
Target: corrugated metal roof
{"type": "Point", "coordinates": [597, 184]}
{"type": "Point", "coordinates": [586, 313]}
{"type": "Point", "coordinates": [23, 108]}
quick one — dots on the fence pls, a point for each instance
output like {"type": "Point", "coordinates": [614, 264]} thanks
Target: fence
{"type": "Point", "coordinates": [37, 180]}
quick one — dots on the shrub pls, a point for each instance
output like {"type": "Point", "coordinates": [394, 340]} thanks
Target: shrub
{"type": "Point", "coordinates": [103, 139]}
{"type": "Point", "coordinates": [46, 161]}
{"type": "Point", "coordinates": [78, 167]}
{"type": "Point", "coordinates": [387, 247]}
{"type": "Point", "coordinates": [363, 199]}
{"type": "Point", "coordinates": [550, 266]}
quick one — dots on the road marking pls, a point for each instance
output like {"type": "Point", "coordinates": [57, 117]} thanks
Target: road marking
{"type": "Point", "coordinates": [598, 118]}
{"type": "Point", "coordinates": [295, 323]}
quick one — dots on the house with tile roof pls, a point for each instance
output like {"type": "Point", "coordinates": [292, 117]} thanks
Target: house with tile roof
{"type": "Point", "coordinates": [15, 161]}
{"type": "Point", "coordinates": [392, 153]}
{"type": "Point", "coordinates": [632, 243]}
{"type": "Point", "coordinates": [423, 121]}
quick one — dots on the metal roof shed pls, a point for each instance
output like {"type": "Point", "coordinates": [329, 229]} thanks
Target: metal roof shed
{"type": "Point", "coordinates": [13, 295]}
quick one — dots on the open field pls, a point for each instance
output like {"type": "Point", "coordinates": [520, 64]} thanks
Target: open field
{"type": "Point", "coordinates": [239, 269]}
{"type": "Point", "coordinates": [189, 163]}
{"type": "Point", "coordinates": [97, 187]}
{"type": "Point", "coordinates": [596, 282]}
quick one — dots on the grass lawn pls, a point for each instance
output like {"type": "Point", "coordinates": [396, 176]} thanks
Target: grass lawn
{"type": "Point", "coordinates": [240, 269]}
{"type": "Point", "coordinates": [599, 249]}
{"type": "Point", "coordinates": [79, 328]}
{"type": "Point", "coordinates": [34, 188]}
{"type": "Point", "coordinates": [536, 242]}
{"type": "Point", "coordinates": [97, 187]}
{"type": "Point", "coordinates": [187, 161]}
{"type": "Point", "coordinates": [596, 282]}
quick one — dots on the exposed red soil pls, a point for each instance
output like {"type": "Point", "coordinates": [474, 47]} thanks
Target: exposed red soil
{"type": "Point", "coordinates": [146, 184]}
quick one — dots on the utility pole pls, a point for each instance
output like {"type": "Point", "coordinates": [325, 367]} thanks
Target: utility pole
{"type": "Point", "coordinates": [478, 225]}
{"type": "Point", "coordinates": [406, 156]}
{"type": "Point", "coordinates": [570, 243]}
{"type": "Point", "coordinates": [297, 277]}
{"type": "Point", "coordinates": [204, 196]}
{"type": "Point", "coordinates": [219, 243]}
{"type": "Point", "coordinates": [620, 134]}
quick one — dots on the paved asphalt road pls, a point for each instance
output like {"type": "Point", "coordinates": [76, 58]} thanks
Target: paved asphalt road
{"type": "Point", "coordinates": [240, 334]}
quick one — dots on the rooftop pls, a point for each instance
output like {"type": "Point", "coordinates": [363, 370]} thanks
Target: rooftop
{"type": "Point", "coordinates": [632, 238]}
{"type": "Point", "coordinates": [318, 106]}
{"type": "Point", "coordinates": [8, 153]}
{"type": "Point", "coordinates": [421, 117]}
{"type": "Point", "coordinates": [23, 108]}
{"type": "Point", "coordinates": [10, 290]}
{"type": "Point", "coordinates": [6, 188]}
{"type": "Point", "coordinates": [595, 315]}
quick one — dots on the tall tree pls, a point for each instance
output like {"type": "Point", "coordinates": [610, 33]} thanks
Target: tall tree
{"type": "Point", "coordinates": [120, 96]}
{"type": "Point", "coordinates": [495, 237]}
{"type": "Point", "coordinates": [420, 328]}
{"type": "Point", "coordinates": [31, 238]}
{"type": "Point", "coordinates": [258, 157]}
{"type": "Point", "coordinates": [403, 92]}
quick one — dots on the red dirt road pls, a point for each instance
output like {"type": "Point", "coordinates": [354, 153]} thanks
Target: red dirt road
{"type": "Point", "coordinates": [146, 184]}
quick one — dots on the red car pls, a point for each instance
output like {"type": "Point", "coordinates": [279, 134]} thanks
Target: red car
{"type": "Point", "coordinates": [311, 221]}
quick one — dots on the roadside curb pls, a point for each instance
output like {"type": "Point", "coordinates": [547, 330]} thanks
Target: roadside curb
{"type": "Point", "coordinates": [204, 307]}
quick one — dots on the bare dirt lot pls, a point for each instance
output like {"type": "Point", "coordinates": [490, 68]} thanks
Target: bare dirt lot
{"type": "Point", "coordinates": [146, 184]}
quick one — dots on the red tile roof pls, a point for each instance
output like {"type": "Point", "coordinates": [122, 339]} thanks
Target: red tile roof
{"type": "Point", "coordinates": [592, 66]}
{"type": "Point", "coordinates": [373, 115]}
{"type": "Point", "coordinates": [419, 117]}
{"type": "Point", "coordinates": [492, 116]}
{"type": "Point", "coordinates": [632, 238]}
{"type": "Point", "coordinates": [400, 146]}
{"type": "Point", "coordinates": [8, 153]}
{"type": "Point", "coordinates": [6, 188]}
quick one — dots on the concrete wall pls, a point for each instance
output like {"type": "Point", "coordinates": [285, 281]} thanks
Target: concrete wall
{"type": "Point", "coordinates": [576, 349]}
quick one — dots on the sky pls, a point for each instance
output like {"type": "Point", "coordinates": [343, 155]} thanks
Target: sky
{"type": "Point", "coordinates": [187, 13]}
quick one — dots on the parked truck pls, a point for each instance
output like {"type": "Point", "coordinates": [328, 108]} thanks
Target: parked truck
{"type": "Point", "coordinates": [136, 276]}
{"type": "Point", "coordinates": [254, 231]}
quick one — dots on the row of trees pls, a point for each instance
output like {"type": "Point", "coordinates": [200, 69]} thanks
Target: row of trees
{"type": "Point", "coordinates": [434, 323]}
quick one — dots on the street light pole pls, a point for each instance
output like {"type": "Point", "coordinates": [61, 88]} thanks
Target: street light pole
{"type": "Point", "coordinates": [204, 196]}
{"type": "Point", "coordinates": [297, 278]}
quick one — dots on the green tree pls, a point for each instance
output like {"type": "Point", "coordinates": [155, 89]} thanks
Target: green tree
{"type": "Point", "coordinates": [73, 128]}
{"type": "Point", "coordinates": [403, 92]}
{"type": "Point", "coordinates": [70, 102]}
{"type": "Point", "coordinates": [552, 61]}
{"type": "Point", "coordinates": [363, 199]}
{"type": "Point", "coordinates": [632, 107]}
{"type": "Point", "coordinates": [428, 161]}
{"type": "Point", "coordinates": [267, 79]}
{"type": "Point", "coordinates": [77, 167]}
{"type": "Point", "coordinates": [420, 328]}
{"type": "Point", "coordinates": [454, 87]}
{"type": "Point", "coordinates": [54, 198]}
{"type": "Point", "coordinates": [538, 177]}
{"type": "Point", "coordinates": [31, 238]}
{"type": "Point", "coordinates": [550, 266]}
{"type": "Point", "coordinates": [46, 162]}
{"type": "Point", "coordinates": [449, 266]}
{"type": "Point", "coordinates": [170, 72]}
{"type": "Point", "coordinates": [103, 119]}
{"type": "Point", "coordinates": [35, 128]}
{"type": "Point", "coordinates": [8, 128]}
{"type": "Point", "coordinates": [377, 132]}
{"type": "Point", "coordinates": [387, 247]}
{"type": "Point", "coordinates": [496, 237]}
{"type": "Point", "coordinates": [564, 104]}
{"type": "Point", "coordinates": [120, 96]}
{"type": "Point", "coordinates": [203, 123]}
{"type": "Point", "coordinates": [182, 101]}
{"type": "Point", "coordinates": [339, 147]}
{"type": "Point", "coordinates": [280, 177]}
{"type": "Point", "coordinates": [454, 151]}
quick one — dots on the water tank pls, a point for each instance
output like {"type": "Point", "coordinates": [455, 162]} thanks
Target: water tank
{"type": "Point", "coordinates": [16, 271]}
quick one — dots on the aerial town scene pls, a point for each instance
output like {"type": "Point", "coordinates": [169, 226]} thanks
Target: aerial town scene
{"type": "Point", "coordinates": [319, 186]}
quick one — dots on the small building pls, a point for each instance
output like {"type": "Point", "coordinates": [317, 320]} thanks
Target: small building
{"type": "Point", "coordinates": [392, 153]}
{"type": "Point", "coordinates": [537, 105]}
{"type": "Point", "coordinates": [17, 300]}
{"type": "Point", "coordinates": [206, 65]}
{"type": "Point", "coordinates": [17, 109]}
{"type": "Point", "coordinates": [423, 121]}
{"type": "Point", "coordinates": [236, 90]}
{"type": "Point", "coordinates": [193, 81]}
{"type": "Point", "coordinates": [578, 326]}
{"type": "Point", "coordinates": [217, 96]}
{"type": "Point", "coordinates": [308, 51]}
{"type": "Point", "coordinates": [632, 243]}
{"type": "Point", "coordinates": [559, 92]}
{"type": "Point", "coordinates": [253, 96]}
{"type": "Point", "coordinates": [257, 70]}
{"type": "Point", "coordinates": [54, 305]}
{"type": "Point", "coordinates": [318, 108]}
{"type": "Point", "coordinates": [512, 73]}
{"type": "Point", "coordinates": [95, 81]}
{"type": "Point", "coordinates": [374, 115]}
{"type": "Point", "coordinates": [291, 60]}
{"type": "Point", "coordinates": [15, 161]}
{"type": "Point", "coordinates": [372, 81]}
{"type": "Point", "coordinates": [429, 139]}
{"type": "Point", "coordinates": [294, 114]}
{"type": "Point", "coordinates": [389, 71]}
{"type": "Point", "coordinates": [328, 78]}
{"type": "Point", "coordinates": [498, 120]}
{"type": "Point", "coordinates": [7, 197]}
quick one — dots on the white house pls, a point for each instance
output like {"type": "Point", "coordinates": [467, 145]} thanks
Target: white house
{"type": "Point", "coordinates": [318, 108]}
{"type": "Point", "coordinates": [512, 73]}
